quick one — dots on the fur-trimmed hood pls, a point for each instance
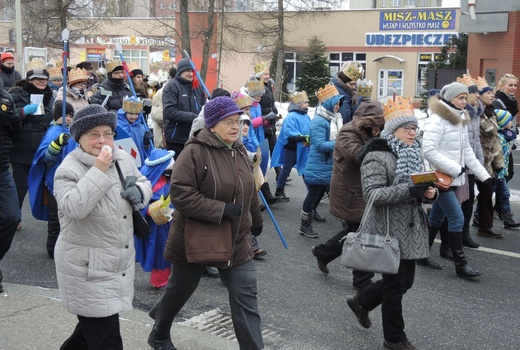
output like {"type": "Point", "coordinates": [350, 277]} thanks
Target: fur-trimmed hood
{"type": "Point", "coordinates": [376, 144]}
{"type": "Point", "coordinates": [453, 115]}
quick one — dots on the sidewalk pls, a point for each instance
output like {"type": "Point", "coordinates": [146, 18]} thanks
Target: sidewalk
{"type": "Point", "coordinates": [33, 318]}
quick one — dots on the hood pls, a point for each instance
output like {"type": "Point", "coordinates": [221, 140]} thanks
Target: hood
{"type": "Point", "coordinates": [452, 115]}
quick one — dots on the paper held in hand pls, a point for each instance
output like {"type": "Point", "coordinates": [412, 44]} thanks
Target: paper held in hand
{"type": "Point", "coordinates": [38, 99]}
{"type": "Point", "coordinates": [424, 177]}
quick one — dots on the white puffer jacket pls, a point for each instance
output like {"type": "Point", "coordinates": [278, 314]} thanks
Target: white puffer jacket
{"type": "Point", "coordinates": [95, 253]}
{"type": "Point", "coordinates": [445, 142]}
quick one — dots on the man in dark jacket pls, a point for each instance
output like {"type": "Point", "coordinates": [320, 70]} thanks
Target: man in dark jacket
{"type": "Point", "coordinates": [10, 216]}
{"type": "Point", "coordinates": [182, 102]}
{"type": "Point", "coordinates": [345, 81]}
{"type": "Point", "coordinates": [346, 197]}
{"type": "Point", "coordinates": [113, 89]}
{"type": "Point", "coordinates": [8, 74]}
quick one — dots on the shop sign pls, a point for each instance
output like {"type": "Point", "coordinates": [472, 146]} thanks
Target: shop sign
{"type": "Point", "coordinates": [417, 20]}
{"type": "Point", "coordinates": [409, 39]}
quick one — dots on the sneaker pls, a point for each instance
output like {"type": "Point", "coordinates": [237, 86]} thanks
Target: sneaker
{"type": "Point", "coordinates": [361, 314]}
{"type": "Point", "coordinates": [404, 345]}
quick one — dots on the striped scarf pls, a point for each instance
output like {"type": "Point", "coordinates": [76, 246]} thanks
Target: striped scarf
{"type": "Point", "coordinates": [408, 157]}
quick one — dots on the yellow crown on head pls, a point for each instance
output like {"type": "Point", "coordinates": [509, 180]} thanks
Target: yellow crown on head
{"type": "Point", "coordinates": [133, 65]}
{"type": "Point", "coordinates": [326, 92]}
{"type": "Point", "coordinates": [243, 100]}
{"type": "Point", "coordinates": [111, 65]}
{"type": "Point", "coordinates": [364, 87]}
{"type": "Point", "coordinates": [354, 70]}
{"type": "Point", "coordinates": [299, 97]}
{"type": "Point", "coordinates": [466, 80]}
{"type": "Point", "coordinates": [481, 83]}
{"type": "Point", "coordinates": [54, 73]}
{"type": "Point", "coordinates": [255, 86]}
{"type": "Point", "coordinates": [401, 107]}
{"type": "Point", "coordinates": [36, 63]}
{"type": "Point", "coordinates": [77, 75]}
{"type": "Point", "coordinates": [261, 67]}
{"type": "Point", "coordinates": [132, 105]}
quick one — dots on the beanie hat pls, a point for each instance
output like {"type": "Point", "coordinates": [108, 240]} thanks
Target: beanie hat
{"type": "Point", "coordinates": [90, 117]}
{"type": "Point", "coordinates": [219, 108]}
{"type": "Point", "coordinates": [6, 56]}
{"type": "Point", "coordinates": [84, 65]}
{"type": "Point", "coordinates": [183, 66]}
{"type": "Point", "coordinates": [433, 92]}
{"type": "Point", "coordinates": [219, 92]}
{"type": "Point", "coordinates": [473, 89]}
{"type": "Point", "coordinates": [450, 91]}
{"type": "Point", "coordinates": [503, 117]}
{"type": "Point", "coordinates": [398, 113]}
{"type": "Point", "coordinates": [58, 106]}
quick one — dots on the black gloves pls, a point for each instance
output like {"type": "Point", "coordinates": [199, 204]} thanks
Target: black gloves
{"type": "Point", "coordinates": [147, 106]}
{"type": "Point", "coordinates": [232, 211]}
{"type": "Point", "coordinates": [256, 231]}
{"type": "Point", "coordinates": [147, 138]}
{"type": "Point", "coordinates": [417, 191]}
{"type": "Point", "coordinates": [62, 139]}
{"type": "Point", "coordinates": [300, 138]}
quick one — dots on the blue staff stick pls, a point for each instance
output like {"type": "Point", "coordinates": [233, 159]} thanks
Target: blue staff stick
{"type": "Point", "coordinates": [65, 38]}
{"type": "Point", "coordinates": [197, 73]}
{"type": "Point", "coordinates": [280, 234]}
{"type": "Point", "coordinates": [131, 83]}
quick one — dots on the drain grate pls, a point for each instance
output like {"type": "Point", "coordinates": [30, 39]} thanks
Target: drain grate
{"type": "Point", "coordinates": [220, 324]}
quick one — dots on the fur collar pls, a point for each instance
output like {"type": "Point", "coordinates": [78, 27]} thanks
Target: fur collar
{"type": "Point", "coordinates": [446, 112]}
{"type": "Point", "coordinates": [376, 144]}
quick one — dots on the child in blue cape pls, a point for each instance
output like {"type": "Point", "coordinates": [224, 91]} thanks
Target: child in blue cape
{"type": "Point", "coordinates": [129, 121]}
{"type": "Point", "coordinates": [55, 146]}
{"type": "Point", "coordinates": [150, 250]}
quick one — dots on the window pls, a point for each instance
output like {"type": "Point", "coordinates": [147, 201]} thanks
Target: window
{"type": "Point", "coordinates": [173, 6]}
{"type": "Point", "coordinates": [337, 59]}
{"type": "Point", "coordinates": [396, 3]}
{"type": "Point", "coordinates": [410, 2]}
{"type": "Point", "coordinates": [422, 71]}
{"type": "Point", "coordinates": [293, 61]}
{"type": "Point", "coordinates": [491, 76]}
{"type": "Point", "coordinates": [390, 82]}
{"type": "Point", "coordinates": [139, 56]}
{"type": "Point", "coordinates": [383, 3]}
{"type": "Point", "coordinates": [161, 6]}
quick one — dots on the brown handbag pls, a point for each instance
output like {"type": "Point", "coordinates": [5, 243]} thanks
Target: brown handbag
{"type": "Point", "coordinates": [444, 182]}
{"type": "Point", "coordinates": [207, 243]}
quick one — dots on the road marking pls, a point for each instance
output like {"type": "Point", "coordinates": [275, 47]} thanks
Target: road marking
{"type": "Point", "coordinates": [491, 250]}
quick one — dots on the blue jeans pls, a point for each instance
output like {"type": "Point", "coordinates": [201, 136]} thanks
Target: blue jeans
{"type": "Point", "coordinates": [314, 195]}
{"type": "Point", "coordinates": [447, 206]}
{"type": "Point", "coordinates": [289, 161]}
{"type": "Point", "coordinates": [10, 215]}
{"type": "Point", "coordinates": [502, 189]}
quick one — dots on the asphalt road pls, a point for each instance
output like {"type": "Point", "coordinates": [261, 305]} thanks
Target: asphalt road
{"type": "Point", "coordinates": [303, 309]}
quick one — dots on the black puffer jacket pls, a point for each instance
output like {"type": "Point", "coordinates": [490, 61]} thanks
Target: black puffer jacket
{"type": "Point", "coordinates": [10, 127]}
{"type": "Point", "coordinates": [34, 126]}
{"type": "Point", "coordinates": [268, 106]}
{"type": "Point", "coordinates": [9, 77]}
{"type": "Point", "coordinates": [119, 90]}
{"type": "Point", "coordinates": [181, 105]}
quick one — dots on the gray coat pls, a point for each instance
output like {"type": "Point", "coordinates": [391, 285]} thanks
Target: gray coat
{"type": "Point", "coordinates": [408, 220]}
{"type": "Point", "coordinates": [95, 253]}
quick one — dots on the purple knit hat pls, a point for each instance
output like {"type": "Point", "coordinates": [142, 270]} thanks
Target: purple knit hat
{"type": "Point", "coordinates": [219, 108]}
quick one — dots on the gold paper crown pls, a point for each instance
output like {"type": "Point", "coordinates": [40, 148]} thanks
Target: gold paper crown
{"type": "Point", "coordinates": [243, 100]}
{"type": "Point", "coordinates": [326, 92]}
{"type": "Point", "coordinates": [255, 86]}
{"type": "Point", "coordinates": [77, 75]}
{"type": "Point", "coordinates": [54, 73]}
{"type": "Point", "coordinates": [466, 80]}
{"type": "Point", "coordinates": [132, 105]}
{"type": "Point", "coordinates": [36, 63]}
{"type": "Point", "coordinates": [353, 70]}
{"type": "Point", "coordinates": [133, 65]}
{"type": "Point", "coordinates": [261, 67]}
{"type": "Point", "coordinates": [401, 107]}
{"type": "Point", "coordinates": [481, 83]}
{"type": "Point", "coordinates": [111, 65]}
{"type": "Point", "coordinates": [364, 87]}
{"type": "Point", "coordinates": [299, 97]}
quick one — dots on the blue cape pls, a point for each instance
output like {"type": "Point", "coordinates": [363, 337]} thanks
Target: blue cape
{"type": "Point", "coordinates": [136, 131]}
{"type": "Point", "coordinates": [41, 177]}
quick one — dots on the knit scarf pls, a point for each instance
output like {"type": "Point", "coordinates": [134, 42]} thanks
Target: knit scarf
{"type": "Point", "coordinates": [408, 157]}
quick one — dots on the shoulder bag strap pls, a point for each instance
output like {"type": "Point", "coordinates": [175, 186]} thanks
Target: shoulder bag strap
{"type": "Point", "coordinates": [368, 208]}
{"type": "Point", "coordinates": [121, 175]}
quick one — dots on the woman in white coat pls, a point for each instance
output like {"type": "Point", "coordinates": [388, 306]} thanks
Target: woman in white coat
{"type": "Point", "coordinates": [95, 253]}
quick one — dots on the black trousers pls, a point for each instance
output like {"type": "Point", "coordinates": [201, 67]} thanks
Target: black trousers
{"type": "Point", "coordinates": [53, 224]}
{"type": "Point", "coordinates": [388, 292]}
{"type": "Point", "coordinates": [95, 333]}
{"type": "Point", "coordinates": [485, 204]}
{"type": "Point", "coordinates": [176, 147]}
{"type": "Point", "coordinates": [20, 176]}
{"type": "Point", "coordinates": [9, 211]}
{"type": "Point", "coordinates": [332, 249]}
{"type": "Point", "coordinates": [467, 205]}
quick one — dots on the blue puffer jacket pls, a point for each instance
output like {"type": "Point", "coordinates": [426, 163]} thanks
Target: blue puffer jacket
{"type": "Point", "coordinates": [319, 164]}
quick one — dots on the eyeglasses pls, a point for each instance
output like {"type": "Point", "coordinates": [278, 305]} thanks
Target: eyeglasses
{"type": "Point", "coordinates": [97, 136]}
{"type": "Point", "coordinates": [410, 128]}
{"type": "Point", "coordinates": [230, 123]}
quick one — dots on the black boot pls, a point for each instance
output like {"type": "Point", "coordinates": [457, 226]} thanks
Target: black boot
{"type": "Point", "coordinates": [306, 225]}
{"type": "Point", "coordinates": [429, 262]}
{"type": "Point", "coordinates": [269, 198]}
{"type": "Point", "coordinates": [281, 193]}
{"type": "Point", "coordinates": [509, 222]}
{"type": "Point", "coordinates": [461, 265]}
{"type": "Point", "coordinates": [210, 271]}
{"type": "Point", "coordinates": [445, 250]}
{"type": "Point", "coordinates": [475, 222]}
{"type": "Point", "coordinates": [467, 241]}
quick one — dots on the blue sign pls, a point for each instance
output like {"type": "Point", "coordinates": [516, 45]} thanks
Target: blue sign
{"type": "Point", "coordinates": [408, 40]}
{"type": "Point", "coordinates": [417, 20]}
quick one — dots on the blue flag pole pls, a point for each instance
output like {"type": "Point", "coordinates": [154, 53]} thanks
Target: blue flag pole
{"type": "Point", "coordinates": [65, 38]}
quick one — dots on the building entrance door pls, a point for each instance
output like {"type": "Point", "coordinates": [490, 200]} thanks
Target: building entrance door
{"type": "Point", "coordinates": [390, 81]}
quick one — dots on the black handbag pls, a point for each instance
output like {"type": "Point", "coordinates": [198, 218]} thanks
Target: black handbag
{"type": "Point", "coordinates": [141, 227]}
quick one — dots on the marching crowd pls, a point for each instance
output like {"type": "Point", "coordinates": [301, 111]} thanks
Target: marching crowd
{"type": "Point", "coordinates": [90, 164]}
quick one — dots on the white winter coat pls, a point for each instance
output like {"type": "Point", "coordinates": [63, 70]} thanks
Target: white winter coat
{"type": "Point", "coordinates": [95, 253]}
{"type": "Point", "coordinates": [446, 145]}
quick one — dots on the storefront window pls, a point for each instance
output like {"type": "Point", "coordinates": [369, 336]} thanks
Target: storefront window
{"type": "Point", "coordinates": [336, 60]}
{"type": "Point", "coordinates": [140, 56]}
{"type": "Point", "coordinates": [422, 71]}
